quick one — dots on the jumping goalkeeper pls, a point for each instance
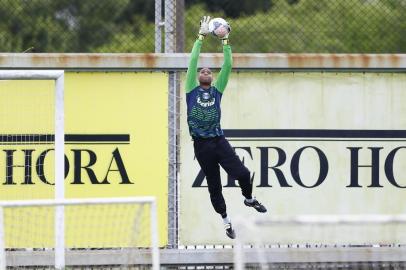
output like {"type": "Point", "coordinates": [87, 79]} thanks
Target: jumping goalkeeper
{"type": "Point", "coordinates": [203, 116]}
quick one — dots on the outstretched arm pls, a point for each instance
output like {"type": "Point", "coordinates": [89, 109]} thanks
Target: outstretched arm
{"type": "Point", "coordinates": [191, 80]}
{"type": "Point", "coordinates": [225, 71]}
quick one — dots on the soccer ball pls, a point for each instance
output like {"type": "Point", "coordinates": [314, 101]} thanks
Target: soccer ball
{"type": "Point", "coordinates": [219, 27]}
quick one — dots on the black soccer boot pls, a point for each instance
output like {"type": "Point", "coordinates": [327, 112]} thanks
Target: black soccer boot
{"type": "Point", "coordinates": [257, 205]}
{"type": "Point", "coordinates": [229, 230]}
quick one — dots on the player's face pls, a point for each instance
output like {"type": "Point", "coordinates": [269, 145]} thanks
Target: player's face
{"type": "Point", "coordinates": [205, 76]}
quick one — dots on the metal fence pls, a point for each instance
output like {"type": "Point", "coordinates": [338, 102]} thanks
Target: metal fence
{"type": "Point", "coordinates": [291, 26]}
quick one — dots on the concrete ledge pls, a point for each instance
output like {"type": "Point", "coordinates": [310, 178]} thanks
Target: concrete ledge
{"type": "Point", "coordinates": [210, 256]}
{"type": "Point", "coordinates": [78, 61]}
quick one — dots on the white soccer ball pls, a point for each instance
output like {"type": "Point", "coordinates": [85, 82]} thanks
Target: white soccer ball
{"type": "Point", "coordinates": [219, 27]}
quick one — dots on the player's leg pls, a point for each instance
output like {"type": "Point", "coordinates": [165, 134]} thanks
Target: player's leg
{"type": "Point", "coordinates": [232, 164]}
{"type": "Point", "coordinates": [206, 156]}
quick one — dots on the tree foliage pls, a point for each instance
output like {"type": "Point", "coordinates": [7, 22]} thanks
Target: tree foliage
{"type": "Point", "coordinates": [58, 25]}
{"type": "Point", "coordinates": [345, 26]}
{"type": "Point", "coordinates": [233, 8]}
{"type": "Point", "coordinates": [322, 26]}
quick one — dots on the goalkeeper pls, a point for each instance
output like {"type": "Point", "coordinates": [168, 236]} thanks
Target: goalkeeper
{"type": "Point", "coordinates": [203, 116]}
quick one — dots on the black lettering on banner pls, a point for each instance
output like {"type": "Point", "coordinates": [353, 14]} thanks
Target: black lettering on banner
{"type": "Point", "coordinates": [41, 162]}
{"type": "Point", "coordinates": [264, 151]}
{"type": "Point", "coordinates": [28, 166]}
{"type": "Point", "coordinates": [294, 167]}
{"type": "Point", "coordinates": [120, 168]}
{"type": "Point", "coordinates": [389, 167]}
{"type": "Point", "coordinates": [39, 166]}
{"type": "Point", "coordinates": [355, 165]}
{"type": "Point", "coordinates": [10, 166]}
{"type": "Point", "coordinates": [199, 179]}
{"type": "Point", "coordinates": [77, 171]}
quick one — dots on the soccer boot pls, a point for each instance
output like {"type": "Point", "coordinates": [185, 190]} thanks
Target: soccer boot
{"type": "Point", "coordinates": [257, 205]}
{"type": "Point", "coordinates": [229, 230]}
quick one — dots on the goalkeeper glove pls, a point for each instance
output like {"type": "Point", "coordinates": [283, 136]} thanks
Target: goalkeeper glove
{"type": "Point", "coordinates": [224, 39]}
{"type": "Point", "coordinates": [204, 27]}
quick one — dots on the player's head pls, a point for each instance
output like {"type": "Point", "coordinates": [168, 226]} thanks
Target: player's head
{"type": "Point", "coordinates": [205, 76]}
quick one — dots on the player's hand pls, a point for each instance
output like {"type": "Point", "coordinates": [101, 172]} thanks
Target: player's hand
{"type": "Point", "coordinates": [204, 26]}
{"type": "Point", "coordinates": [224, 40]}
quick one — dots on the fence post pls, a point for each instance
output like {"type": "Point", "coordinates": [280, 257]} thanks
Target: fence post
{"type": "Point", "coordinates": [170, 47]}
{"type": "Point", "coordinates": [59, 173]}
{"type": "Point", "coordinates": [158, 26]}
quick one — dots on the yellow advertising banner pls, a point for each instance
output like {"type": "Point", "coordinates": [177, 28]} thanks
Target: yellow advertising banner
{"type": "Point", "coordinates": [318, 143]}
{"type": "Point", "coordinates": [115, 140]}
